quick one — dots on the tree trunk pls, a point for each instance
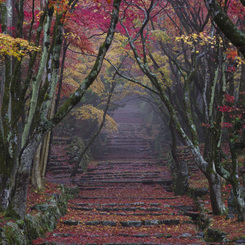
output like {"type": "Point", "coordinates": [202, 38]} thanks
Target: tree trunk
{"type": "Point", "coordinates": [41, 157]}
{"type": "Point", "coordinates": [236, 185]}
{"type": "Point", "coordinates": [4, 195]}
{"type": "Point", "coordinates": [179, 169]}
{"type": "Point", "coordinates": [217, 204]}
{"type": "Point", "coordinates": [227, 26]}
{"type": "Point", "coordinates": [36, 179]}
{"type": "Point", "coordinates": [45, 153]}
{"type": "Point", "coordinates": [17, 206]}
{"type": "Point", "coordinates": [240, 200]}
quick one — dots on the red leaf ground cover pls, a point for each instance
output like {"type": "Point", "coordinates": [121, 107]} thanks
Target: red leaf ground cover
{"type": "Point", "coordinates": [36, 196]}
{"type": "Point", "coordinates": [122, 212]}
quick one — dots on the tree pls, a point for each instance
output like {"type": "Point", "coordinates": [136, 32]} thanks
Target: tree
{"type": "Point", "coordinates": [25, 100]}
{"type": "Point", "coordinates": [202, 68]}
{"type": "Point", "coordinates": [230, 168]}
{"type": "Point", "coordinates": [198, 73]}
{"type": "Point", "coordinates": [226, 25]}
{"type": "Point", "coordinates": [227, 22]}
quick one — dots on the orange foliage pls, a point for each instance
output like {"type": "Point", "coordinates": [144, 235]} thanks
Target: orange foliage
{"type": "Point", "coordinates": [231, 54]}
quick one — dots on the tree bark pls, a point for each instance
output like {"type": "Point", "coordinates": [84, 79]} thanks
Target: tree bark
{"type": "Point", "coordinates": [230, 30]}
{"type": "Point", "coordinates": [36, 179]}
{"type": "Point", "coordinates": [40, 160]}
{"type": "Point", "coordinates": [217, 204]}
{"type": "Point", "coordinates": [238, 191]}
{"type": "Point", "coordinates": [17, 206]}
{"type": "Point", "coordinates": [179, 169]}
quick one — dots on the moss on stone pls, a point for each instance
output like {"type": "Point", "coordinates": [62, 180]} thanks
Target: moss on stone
{"type": "Point", "coordinates": [22, 232]}
{"type": "Point", "coordinates": [14, 235]}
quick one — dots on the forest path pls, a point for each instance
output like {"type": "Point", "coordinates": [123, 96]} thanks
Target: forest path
{"type": "Point", "coordinates": [125, 195]}
{"type": "Point", "coordinates": [126, 203]}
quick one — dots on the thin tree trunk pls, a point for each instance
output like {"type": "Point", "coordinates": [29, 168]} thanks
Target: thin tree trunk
{"type": "Point", "coordinates": [35, 175]}
{"type": "Point", "coordinates": [4, 195]}
{"type": "Point", "coordinates": [236, 185]}
{"type": "Point", "coordinates": [240, 201]}
{"type": "Point", "coordinates": [179, 169]}
{"type": "Point", "coordinates": [217, 204]}
{"type": "Point", "coordinates": [41, 157]}
{"type": "Point", "coordinates": [75, 168]}
{"type": "Point", "coordinates": [45, 153]}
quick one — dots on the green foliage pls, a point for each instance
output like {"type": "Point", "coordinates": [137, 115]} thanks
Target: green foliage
{"type": "Point", "coordinates": [161, 36]}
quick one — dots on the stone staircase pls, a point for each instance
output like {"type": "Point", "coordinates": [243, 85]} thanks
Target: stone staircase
{"type": "Point", "coordinates": [126, 203]}
{"type": "Point", "coordinates": [134, 139]}
{"type": "Point", "coordinates": [125, 196]}
{"type": "Point", "coordinates": [60, 162]}
{"type": "Point", "coordinates": [125, 172]}
{"type": "Point", "coordinates": [130, 142]}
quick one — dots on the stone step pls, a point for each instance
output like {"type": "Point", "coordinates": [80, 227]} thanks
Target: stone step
{"type": "Point", "coordinates": [130, 181]}
{"type": "Point", "coordinates": [133, 149]}
{"type": "Point", "coordinates": [117, 178]}
{"type": "Point", "coordinates": [124, 180]}
{"type": "Point", "coordinates": [122, 174]}
{"type": "Point", "coordinates": [117, 209]}
{"type": "Point", "coordinates": [130, 223]}
{"type": "Point", "coordinates": [104, 171]}
{"type": "Point", "coordinates": [115, 175]}
{"type": "Point", "coordinates": [61, 168]}
{"type": "Point", "coordinates": [125, 198]}
{"type": "Point", "coordinates": [60, 160]}
{"type": "Point", "coordinates": [167, 236]}
{"type": "Point", "coordinates": [81, 183]}
{"type": "Point", "coordinates": [132, 139]}
{"type": "Point", "coordinates": [137, 204]}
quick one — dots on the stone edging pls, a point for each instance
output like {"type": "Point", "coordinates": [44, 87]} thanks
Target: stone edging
{"type": "Point", "coordinates": [22, 232]}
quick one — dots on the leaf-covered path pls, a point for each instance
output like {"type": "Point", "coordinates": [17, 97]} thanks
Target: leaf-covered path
{"type": "Point", "coordinates": [126, 203]}
{"type": "Point", "coordinates": [124, 198]}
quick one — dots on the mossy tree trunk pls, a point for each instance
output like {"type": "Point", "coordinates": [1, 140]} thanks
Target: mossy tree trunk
{"type": "Point", "coordinates": [179, 168]}
{"type": "Point", "coordinates": [236, 36]}
{"type": "Point", "coordinates": [8, 127]}
{"type": "Point", "coordinates": [233, 177]}
{"type": "Point", "coordinates": [237, 187]}
{"type": "Point", "coordinates": [41, 157]}
{"type": "Point", "coordinates": [36, 176]}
